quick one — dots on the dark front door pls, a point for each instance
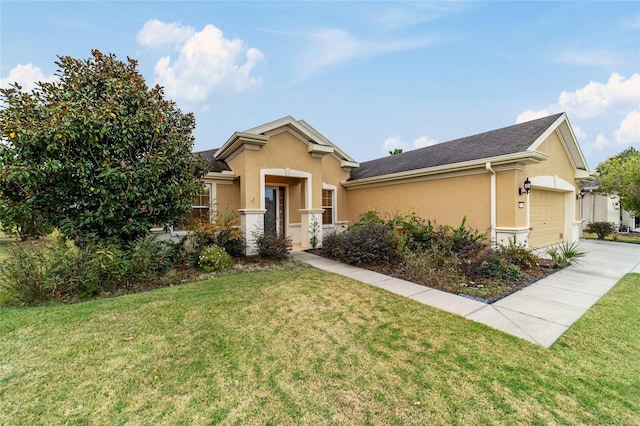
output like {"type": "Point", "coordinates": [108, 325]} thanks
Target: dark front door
{"type": "Point", "coordinates": [274, 204]}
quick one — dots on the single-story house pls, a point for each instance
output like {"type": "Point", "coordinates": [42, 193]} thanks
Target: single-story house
{"type": "Point", "coordinates": [599, 207]}
{"type": "Point", "coordinates": [519, 181]}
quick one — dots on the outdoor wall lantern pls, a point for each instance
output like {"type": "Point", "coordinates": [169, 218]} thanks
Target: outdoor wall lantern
{"type": "Point", "coordinates": [527, 187]}
{"type": "Point", "coordinates": [580, 194]}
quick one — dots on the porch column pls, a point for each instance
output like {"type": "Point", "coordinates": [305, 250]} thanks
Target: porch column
{"type": "Point", "coordinates": [310, 224]}
{"type": "Point", "coordinates": [251, 221]}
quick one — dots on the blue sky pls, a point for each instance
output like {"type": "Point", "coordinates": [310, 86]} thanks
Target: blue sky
{"type": "Point", "coordinates": [370, 76]}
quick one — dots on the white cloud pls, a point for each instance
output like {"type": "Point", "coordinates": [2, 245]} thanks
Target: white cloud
{"type": "Point", "coordinates": [206, 61]}
{"type": "Point", "coordinates": [597, 98]}
{"type": "Point", "coordinates": [593, 100]}
{"type": "Point", "coordinates": [333, 46]}
{"type": "Point", "coordinates": [395, 142]}
{"type": "Point", "coordinates": [531, 115]}
{"type": "Point", "coordinates": [26, 76]}
{"type": "Point", "coordinates": [606, 109]}
{"type": "Point", "coordinates": [157, 34]}
{"type": "Point", "coordinates": [423, 141]}
{"type": "Point", "coordinates": [629, 130]}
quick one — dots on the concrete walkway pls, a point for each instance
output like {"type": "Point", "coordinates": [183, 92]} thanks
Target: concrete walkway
{"type": "Point", "coordinates": [540, 313]}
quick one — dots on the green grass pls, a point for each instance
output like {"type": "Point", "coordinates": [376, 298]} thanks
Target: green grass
{"type": "Point", "coordinates": [307, 347]}
{"type": "Point", "coordinates": [619, 237]}
{"type": "Point", "coordinates": [4, 245]}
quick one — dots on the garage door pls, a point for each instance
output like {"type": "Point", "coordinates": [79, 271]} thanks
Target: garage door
{"type": "Point", "coordinates": [547, 218]}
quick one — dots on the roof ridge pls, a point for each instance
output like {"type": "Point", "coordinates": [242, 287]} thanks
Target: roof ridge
{"type": "Point", "coordinates": [493, 143]}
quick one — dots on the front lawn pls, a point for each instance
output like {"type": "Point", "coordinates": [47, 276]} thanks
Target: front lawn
{"type": "Point", "coordinates": [631, 237]}
{"type": "Point", "coordinates": [302, 346]}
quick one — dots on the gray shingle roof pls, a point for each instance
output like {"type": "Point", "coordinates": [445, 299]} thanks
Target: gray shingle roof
{"type": "Point", "coordinates": [215, 164]}
{"type": "Point", "coordinates": [507, 140]}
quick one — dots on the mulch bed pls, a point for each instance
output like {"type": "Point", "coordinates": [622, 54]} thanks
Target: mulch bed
{"type": "Point", "coordinates": [487, 290]}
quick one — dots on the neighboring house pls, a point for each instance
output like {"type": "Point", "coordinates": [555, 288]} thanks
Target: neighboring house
{"type": "Point", "coordinates": [598, 207]}
{"type": "Point", "coordinates": [284, 176]}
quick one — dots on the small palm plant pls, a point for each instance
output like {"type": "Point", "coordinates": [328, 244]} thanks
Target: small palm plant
{"type": "Point", "coordinates": [566, 253]}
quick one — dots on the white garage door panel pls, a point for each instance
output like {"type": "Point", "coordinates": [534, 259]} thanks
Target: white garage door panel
{"type": "Point", "coordinates": [547, 218]}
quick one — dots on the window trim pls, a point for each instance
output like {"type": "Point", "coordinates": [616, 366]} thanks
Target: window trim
{"type": "Point", "coordinates": [334, 200]}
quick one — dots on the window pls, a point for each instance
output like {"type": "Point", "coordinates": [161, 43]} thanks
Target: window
{"type": "Point", "coordinates": [201, 209]}
{"type": "Point", "coordinates": [327, 205]}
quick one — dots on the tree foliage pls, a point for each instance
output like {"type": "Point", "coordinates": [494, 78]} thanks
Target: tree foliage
{"type": "Point", "coordinates": [620, 175]}
{"type": "Point", "coordinates": [97, 151]}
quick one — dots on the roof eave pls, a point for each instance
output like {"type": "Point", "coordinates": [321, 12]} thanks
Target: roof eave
{"type": "Point", "coordinates": [226, 175]}
{"type": "Point", "coordinates": [239, 141]}
{"type": "Point", "coordinates": [527, 157]}
{"type": "Point", "coordinates": [568, 138]}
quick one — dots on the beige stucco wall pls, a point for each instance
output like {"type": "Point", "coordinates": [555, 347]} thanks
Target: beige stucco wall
{"type": "Point", "coordinates": [227, 195]}
{"type": "Point", "coordinates": [558, 164]}
{"type": "Point", "coordinates": [507, 212]}
{"type": "Point", "coordinates": [284, 160]}
{"type": "Point", "coordinates": [445, 201]}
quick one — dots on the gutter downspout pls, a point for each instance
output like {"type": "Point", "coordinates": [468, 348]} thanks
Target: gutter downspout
{"type": "Point", "coordinates": [493, 203]}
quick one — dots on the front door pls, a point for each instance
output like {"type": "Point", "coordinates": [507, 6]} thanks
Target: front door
{"type": "Point", "coordinates": [274, 218]}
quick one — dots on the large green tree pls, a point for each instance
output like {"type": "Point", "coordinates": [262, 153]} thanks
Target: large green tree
{"type": "Point", "coordinates": [620, 175]}
{"type": "Point", "coordinates": [97, 151]}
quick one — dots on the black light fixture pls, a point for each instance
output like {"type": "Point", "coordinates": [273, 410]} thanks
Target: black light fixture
{"type": "Point", "coordinates": [527, 187]}
{"type": "Point", "coordinates": [581, 194]}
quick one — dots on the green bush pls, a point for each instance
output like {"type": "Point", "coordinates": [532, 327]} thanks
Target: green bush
{"type": "Point", "coordinates": [223, 232]}
{"type": "Point", "coordinates": [566, 253]}
{"type": "Point", "coordinates": [62, 271]}
{"type": "Point", "coordinates": [519, 255]}
{"type": "Point", "coordinates": [601, 229]}
{"type": "Point", "coordinates": [414, 232]}
{"type": "Point", "coordinates": [492, 265]}
{"type": "Point", "coordinates": [214, 258]}
{"type": "Point", "coordinates": [272, 246]}
{"type": "Point", "coordinates": [462, 241]}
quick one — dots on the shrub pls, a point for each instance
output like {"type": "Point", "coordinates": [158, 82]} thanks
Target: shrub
{"type": "Point", "coordinates": [223, 232]}
{"type": "Point", "coordinates": [519, 255]}
{"type": "Point", "coordinates": [368, 244]}
{"type": "Point", "coordinates": [272, 246]}
{"type": "Point", "coordinates": [464, 241]}
{"type": "Point", "coordinates": [601, 229]}
{"type": "Point", "coordinates": [332, 244]}
{"type": "Point", "coordinates": [566, 252]}
{"type": "Point", "coordinates": [214, 258]}
{"type": "Point", "coordinates": [62, 271]}
{"type": "Point", "coordinates": [467, 240]}
{"type": "Point", "coordinates": [414, 233]}
{"type": "Point", "coordinates": [314, 232]}
{"type": "Point", "coordinates": [370, 217]}
{"type": "Point", "coordinates": [492, 265]}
